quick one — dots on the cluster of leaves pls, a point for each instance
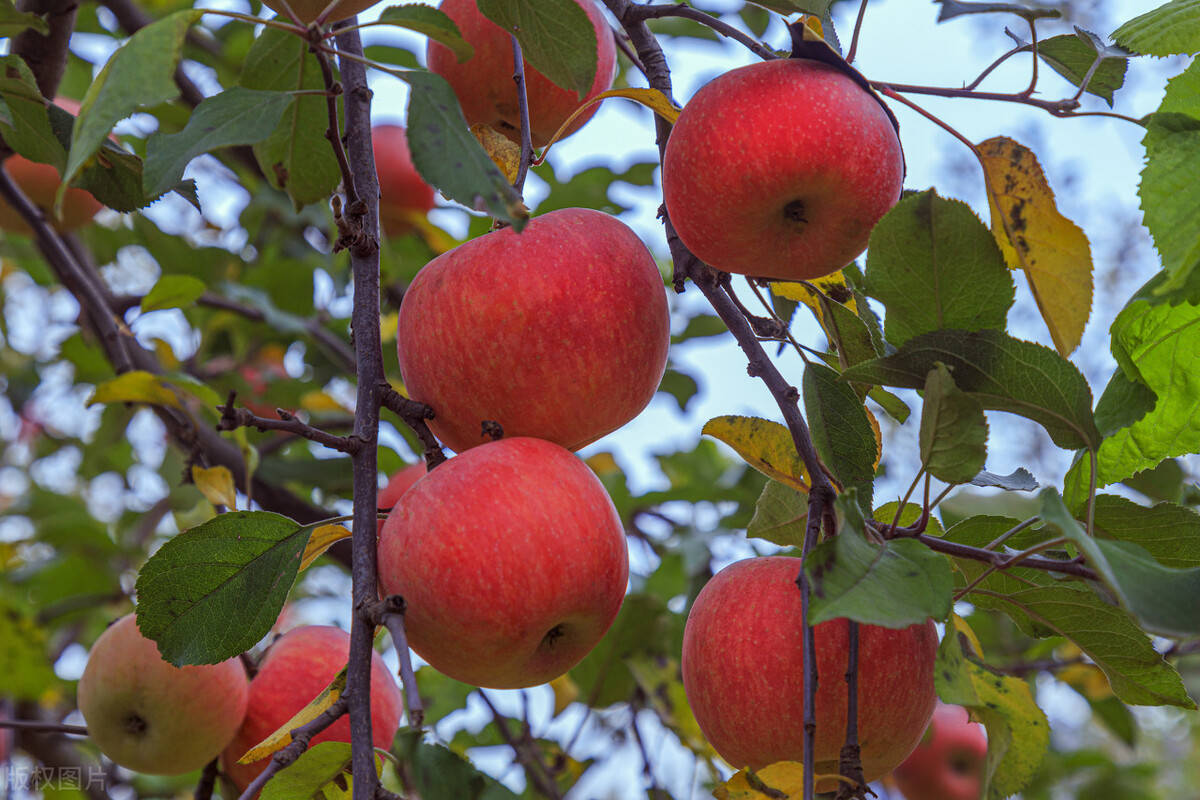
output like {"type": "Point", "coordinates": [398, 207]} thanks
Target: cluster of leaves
{"type": "Point", "coordinates": [942, 279]}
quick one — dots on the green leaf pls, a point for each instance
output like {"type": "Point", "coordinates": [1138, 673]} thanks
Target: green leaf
{"type": "Point", "coordinates": [934, 265]}
{"type": "Point", "coordinates": [173, 291]}
{"type": "Point", "coordinates": [1073, 57]}
{"type": "Point", "coordinates": [954, 8]}
{"type": "Point", "coordinates": [25, 123]}
{"type": "Point", "coordinates": [136, 386]}
{"type": "Point", "coordinates": [591, 188]}
{"type": "Point", "coordinates": [449, 156]}
{"type": "Point", "coordinates": [1042, 606]}
{"type": "Point", "coordinates": [317, 767]}
{"type": "Point", "coordinates": [840, 429]}
{"type": "Point", "coordinates": [700, 326]}
{"type": "Point", "coordinates": [1171, 29]}
{"type": "Point", "coordinates": [818, 8]}
{"type": "Point", "coordinates": [556, 36]}
{"type": "Point", "coordinates": [1164, 599]}
{"type": "Point", "coordinates": [895, 584]}
{"type": "Point", "coordinates": [1158, 346]}
{"type": "Point", "coordinates": [214, 591]}
{"type": "Point", "coordinates": [13, 22]}
{"type": "Point", "coordinates": [139, 74]}
{"type": "Point", "coordinates": [644, 627]}
{"type": "Point", "coordinates": [296, 156]}
{"type": "Point", "coordinates": [1170, 197]}
{"type": "Point", "coordinates": [1122, 403]}
{"type": "Point", "coordinates": [953, 436]}
{"type": "Point", "coordinates": [441, 774]}
{"type": "Point", "coordinates": [24, 660]}
{"type": "Point", "coordinates": [1017, 731]}
{"type": "Point", "coordinates": [429, 22]}
{"type": "Point", "coordinates": [780, 515]}
{"type": "Point", "coordinates": [237, 116]}
{"type": "Point", "coordinates": [1168, 532]}
{"type": "Point", "coordinates": [440, 694]}
{"type": "Point", "coordinates": [681, 386]}
{"type": "Point", "coordinates": [1002, 373]}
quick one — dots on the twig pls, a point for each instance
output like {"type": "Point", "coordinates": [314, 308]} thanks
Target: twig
{"type": "Point", "coordinates": [1072, 567]}
{"type": "Point", "coordinates": [534, 768]}
{"type": "Point", "coordinates": [1033, 50]}
{"type": "Point", "coordinates": [233, 418]}
{"type": "Point", "coordinates": [1013, 561]}
{"type": "Point", "coordinates": [639, 14]}
{"type": "Point", "coordinates": [858, 21]}
{"type": "Point", "coordinates": [44, 727]}
{"type": "Point", "coordinates": [390, 614]}
{"type": "Point", "coordinates": [523, 108]}
{"type": "Point", "coordinates": [334, 344]}
{"type": "Point", "coordinates": [990, 67]}
{"type": "Point", "coordinates": [300, 739]}
{"type": "Point", "coordinates": [208, 781]}
{"type": "Point", "coordinates": [414, 415]}
{"type": "Point", "coordinates": [850, 758]}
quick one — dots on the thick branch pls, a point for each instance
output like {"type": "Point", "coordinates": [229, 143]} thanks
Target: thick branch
{"type": "Point", "coordinates": [47, 55]}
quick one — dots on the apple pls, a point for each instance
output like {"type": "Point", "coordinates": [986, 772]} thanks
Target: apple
{"type": "Point", "coordinates": [484, 83]}
{"type": "Point", "coordinates": [559, 332]}
{"type": "Point", "coordinates": [297, 668]}
{"type": "Point", "coordinates": [512, 562]}
{"type": "Point", "coordinates": [40, 184]}
{"type": "Point", "coordinates": [307, 10]}
{"type": "Point", "coordinates": [744, 677]}
{"type": "Point", "coordinates": [399, 483]}
{"type": "Point", "coordinates": [402, 191]}
{"type": "Point", "coordinates": [151, 716]}
{"type": "Point", "coordinates": [948, 763]}
{"type": "Point", "coordinates": [266, 369]}
{"type": "Point", "coordinates": [780, 170]}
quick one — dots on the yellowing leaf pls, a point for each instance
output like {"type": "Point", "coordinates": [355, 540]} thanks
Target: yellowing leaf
{"type": "Point", "coordinates": [963, 627]}
{"type": "Point", "coordinates": [565, 692]}
{"type": "Point", "coordinates": [216, 484]}
{"type": "Point", "coordinates": [783, 780]}
{"type": "Point", "coordinates": [652, 99]}
{"type": "Point", "coordinates": [813, 23]}
{"type": "Point", "coordinates": [389, 324]}
{"type": "Point", "coordinates": [833, 286]}
{"type": "Point", "coordinates": [765, 445]}
{"type": "Point", "coordinates": [503, 151]}
{"type": "Point", "coordinates": [1035, 237]}
{"type": "Point", "coordinates": [603, 464]}
{"type": "Point", "coordinates": [165, 353]}
{"type": "Point", "coordinates": [878, 436]}
{"type": "Point", "coordinates": [438, 240]}
{"type": "Point", "coordinates": [283, 737]}
{"type": "Point", "coordinates": [1087, 679]}
{"type": "Point", "coordinates": [136, 387]}
{"type": "Point", "coordinates": [320, 541]}
{"type": "Point", "coordinates": [320, 401]}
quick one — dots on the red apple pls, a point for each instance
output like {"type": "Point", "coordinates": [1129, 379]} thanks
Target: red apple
{"type": "Point", "coordinates": [399, 483]}
{"type": "Point", "coordinates": [743, 673]}
{"type": "Point", "coordinates": [151, 716]}
{"type": "Point", "coordinates": [296, 668]}
{"type": "Point", "coordinates": [948, 763]}
{"type": "Point", "coordinates": [484, 82]}
{"type": "Point", "coordinates": [781, 169]}
{"type": "Point", "coordinates": [402, 191]}
{"type": "Point", "coordinates": [559, 332]}
{"type": "Point", "coordinates": [40, 183]}
{"type": "Point", "coordinates": [307, 10]}
{"type": "Point", "coordinates": [512, 561]}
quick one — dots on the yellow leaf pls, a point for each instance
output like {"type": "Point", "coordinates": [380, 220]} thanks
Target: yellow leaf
{"type": "Point", "coordinates": [833, 286]}
{"type": "Point", "coordinates": [504, 152]}
{"type": "Point", "coordinates": [320, 401]}
{"type": "Point", "coordinates": [216, 484]}
{"type": "Point", "coordinates": [965, 629]}
{"type": "Point", "coordinates": [438, 240]}
{"type": "Point", "coordinates": [136, 387]}
{"type": "Point", "coordinates": [283, 737]}
{"type": "Point", "coordinates": [813, 25]}
{"type": "Point", "coordinates": [878, 437]}
{"type": "Point", "coordinates": [389, 324]}
{"type": "Point", "coordinates": [783, 780]}
{"type": "Point", "coordinates": [565, 692]}
{"type": "Point", "coordinates": [165, 353]}
{"type": "Point", "coordinates": [603, 464]}
{"type": "Point", "coordinates": [1087, 679]}
{"type": "Point", "coordinates": [320, 541]}
{"type": "Point", "coordinates": [1035, 237]}
{"type": "Point", "coordinates": [765, 445]}
{"type": "Point", "coordinates": [652, 99]}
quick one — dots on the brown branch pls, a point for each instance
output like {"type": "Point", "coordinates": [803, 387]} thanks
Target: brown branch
{"type": "Point", "coordinates": [44, 727]}
{"type": "Point", "coordinates": [523, 109]}
{"type": "Point", "coordinates": [525, 749]}
{"type": "Point", "coordinates": [47, 55]}
{"type": "Point", "coordinates": [850, 758]}
{"type": "Point", "coordinates": [300, 739]}
{"type": "Point", "coordinates": [414, 414]}
{"type": "Point", "coordinates": [208, 781]}
{"type": "Point", "coordinates": [390, 613]}
{"type": "Point", "coordinates": [336, 346]}
{"type": "Point", "coordinates": [233, 418]}
{"type": "Point", "coordinates": [639, 14]}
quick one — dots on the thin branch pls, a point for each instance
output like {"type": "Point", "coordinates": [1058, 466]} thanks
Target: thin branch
{"type": "Point", "coordinates": [639, 14]}
{"type": "Point", "coordinates": [233, 418]}
{"type": "Point", "coordinates": [44, 727]}
{"type": "Point", "coordinates": [524, 749]}
{"type": "Point", "coordinates": [990, 67]}
{"type": "Point", "coordinates": [858, 21]}
{"type": "Point", "coordinates": [1013, 561]}
{"type": "Point", "coordinates": [414, 415]}
{"type": "Point", "coordinates": [390, 614]}
{"type": "Point", "coordinates": [300, 739]}
{"type": "Point", "coordinates": [208, 781]}
{"type": "Point", "coordinates": [1072, 567]}
{"type": "Point", "coordinates": [331, 342]}
{"type": "Point", "coordinates": [850, 758]}
{"type": "Point", "coordinates": [1033, 50]}
{"type": "Point", "coordinates": [523, 108]}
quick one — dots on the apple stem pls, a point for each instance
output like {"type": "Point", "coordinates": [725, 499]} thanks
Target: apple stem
{"type": "Point", "coordinates": [523, 107]}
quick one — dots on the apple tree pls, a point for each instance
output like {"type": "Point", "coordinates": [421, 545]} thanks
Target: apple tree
{"type": "Point", "coordinates": [246, 315]}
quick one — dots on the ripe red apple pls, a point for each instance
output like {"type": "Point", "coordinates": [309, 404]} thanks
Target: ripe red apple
{"type": "Point", "coordinates": [399, 483]}
{"type": "Point", "coordinates": [40, 183]}
{"type": "Point", "coordinates": [948, 763]}
{"type": "Point", "coordinates": [150, 716]}
{"type": "Point", "coordinates": [402, 190]}
{"type": "Point", "coordinates": [743, 673]}
{"type": "Point", "coordinates": [512, 561]}
{"type": "Point", "coordinates": [781, 169]}
{"type": "Point", "coordinates": [307, 10]}
{"type": "Point", "coordinates": [296, 668]}
{"type": "Point", "coordinates": [559, 332]}
{"type": "Point", "coordinates": [484, 82]}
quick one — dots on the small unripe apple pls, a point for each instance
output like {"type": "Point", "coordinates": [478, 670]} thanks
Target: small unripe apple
{"type": "Point", "coordinates": [484, 83]}
{"type": "Point", "coordinates": [151, 716]}
{"type": "Point", "coordinates": [402, 191]}
{"type": "Point", "coordinates": [780, 169]}
{"type": "Point", "coordinates": [558, 332]}
{"type": "Point", "coordinates": [296, 668]}
{"type": "Point", "coordinates": [743, 672]}
{"type": "Point", "coordinates": [307, 10]}
{"type": "Point", "coordinates": [948, 763]}
{"type": "Point", "coordinates": [512, 562]}
{"type": "Point", "coordinates": [40, 184]}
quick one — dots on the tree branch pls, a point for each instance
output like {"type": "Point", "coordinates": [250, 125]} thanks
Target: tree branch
{"type": "Point", "coordinates": [300, 739]}
{"type": "Point", "coordinates": [233, 418]}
